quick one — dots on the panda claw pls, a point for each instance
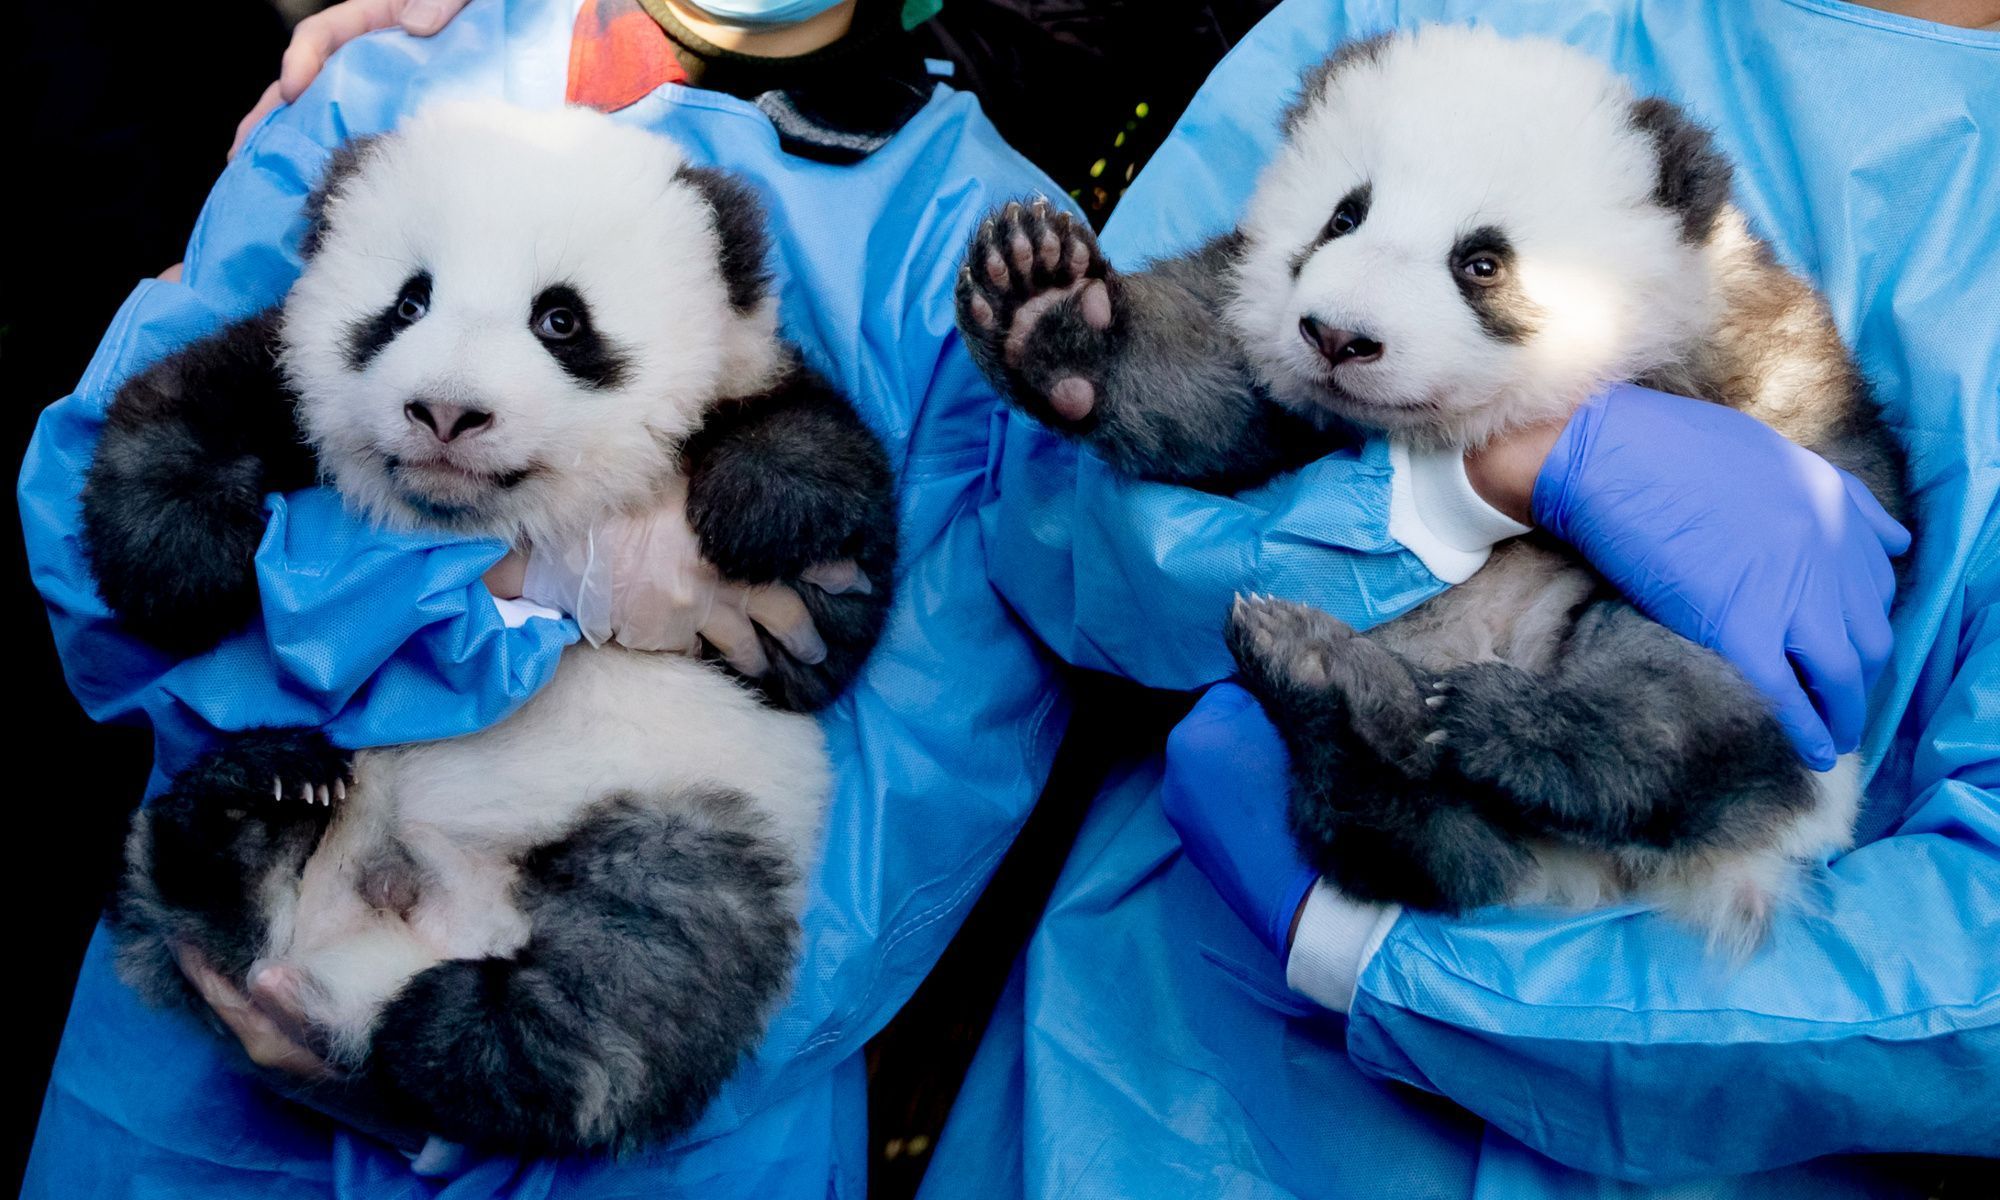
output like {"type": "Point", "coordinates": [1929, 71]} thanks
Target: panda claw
{"type": "Point", "coordinates": [1435, 737]}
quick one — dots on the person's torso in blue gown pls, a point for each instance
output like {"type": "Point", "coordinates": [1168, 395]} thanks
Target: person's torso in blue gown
{"type": "Point", "coordinates": [940, 748]}
{"type": "Point", "coordinates": [1147, 1045]}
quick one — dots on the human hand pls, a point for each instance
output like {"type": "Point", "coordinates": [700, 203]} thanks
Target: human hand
{"type": "Point", "coordinates": [1718, 528]}
{"type": "Point", "coordinates": [1228, 777]}
{"type": "Point", "coordinates": [641, 580]}
{"type": "Point", "coordinates": [318, 36]}
{"type": "Point", "coordinates": [271, 1030]}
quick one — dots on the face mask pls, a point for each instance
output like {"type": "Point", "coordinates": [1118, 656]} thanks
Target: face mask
{"type": "Point", "coordinates": [763, 12]}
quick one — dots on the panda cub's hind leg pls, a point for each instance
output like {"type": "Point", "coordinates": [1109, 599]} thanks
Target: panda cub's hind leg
{"type": "Point", "coordinates": [662, 935]}
{"type": "Point", "coordinates": [1364, 806]}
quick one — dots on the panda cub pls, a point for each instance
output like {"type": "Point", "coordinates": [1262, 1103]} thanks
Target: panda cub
{"type": "Point", "coordinates": [1461, 235]}
{"type": "Point", "coordinates": [561, 933]}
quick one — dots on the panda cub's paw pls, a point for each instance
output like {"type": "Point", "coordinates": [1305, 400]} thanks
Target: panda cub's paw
{"type": "Point", "coordinates": [272, 772]}
{"type": "Point", "coordinates": [1035, 303]}
{"type": "Point", "coordinates": [1331, 684]}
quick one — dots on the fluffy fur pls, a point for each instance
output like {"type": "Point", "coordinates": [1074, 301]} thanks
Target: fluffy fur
{"type": "Point", "coordinates": [563, 932]}
{"type": "Point", "coordinates": [1462, 235]}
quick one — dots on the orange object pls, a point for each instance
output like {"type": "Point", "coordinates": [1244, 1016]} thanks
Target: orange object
{"type": "Point", "coordinates": [617, 55]}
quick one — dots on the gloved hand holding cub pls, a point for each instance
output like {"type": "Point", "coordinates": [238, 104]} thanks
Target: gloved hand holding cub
{"type": "Point", "coordinates": [640, 580]}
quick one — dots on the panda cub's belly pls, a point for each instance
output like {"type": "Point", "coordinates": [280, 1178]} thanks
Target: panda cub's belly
{"type": "Point", "coordinates": [419, 865]}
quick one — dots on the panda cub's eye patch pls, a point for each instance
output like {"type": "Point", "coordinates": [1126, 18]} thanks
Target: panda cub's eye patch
{"type": "Point", "coordinates": [1347, 217]}
{"type": "Point", "coordinates": [1482, 265]}
{"type": "Point", "coordinates": [367, 337]}
{"type": "Point", "coordinates": [1349, 213]}
{"type": "Point", "coordinates": [560, 319]}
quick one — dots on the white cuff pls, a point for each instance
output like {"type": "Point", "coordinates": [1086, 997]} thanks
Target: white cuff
{"type": "Point", "coordinates": [516, 613]}
{"type": "Point", "coordinates": [1335, 940]}
{"type": "Point", "coordinates": [1437, 515]}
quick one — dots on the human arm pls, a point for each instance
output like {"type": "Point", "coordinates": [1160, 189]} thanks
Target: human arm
{"type": "Point", "coordinates": [1608, 1040]}
{"type": "Point", "coordinates": [316, 38]}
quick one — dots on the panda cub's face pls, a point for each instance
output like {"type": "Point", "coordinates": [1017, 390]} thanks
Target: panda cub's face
{"type": "Point", "coordinates": [509, 320]}
{"type": "Point", "coordinates": [1463, 234]}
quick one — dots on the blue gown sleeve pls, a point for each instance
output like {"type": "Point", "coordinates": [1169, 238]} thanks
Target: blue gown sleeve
{"type": "Point", "coordinates": [1136, 578]}
{"type": "Point", "coordinates": [1870, 1022]}
{"type": "Point", "coordinates": [380, 637]}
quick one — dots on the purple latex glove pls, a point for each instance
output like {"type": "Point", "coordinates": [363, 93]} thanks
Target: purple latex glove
{"type": "Point", "coordinates": [1733, 537]}
{"type": "Point", "coordinates": [1227, 779]}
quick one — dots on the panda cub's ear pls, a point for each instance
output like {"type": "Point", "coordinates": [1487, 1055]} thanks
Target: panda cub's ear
{"type": "Point", "coordinates": [739, 220]}
{"type": "Point", "coordinates": [1312, 88]}
{"type": "Point", "coordinates": [340, 169]}
{"type": "Point", "coordinates": [1694, 177]}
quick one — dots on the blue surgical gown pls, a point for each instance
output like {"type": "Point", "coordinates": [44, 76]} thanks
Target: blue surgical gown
{"type": "Point", "coordinates": [1147, 1045]}
{"type": "Point", "coordinates": [940, 749]}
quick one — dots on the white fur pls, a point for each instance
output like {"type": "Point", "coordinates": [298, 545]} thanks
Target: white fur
{"type": "Point", "coordinates": [498, 204]}
{"type": "Point", "coordinates": [611, 721]}
{"type": "Point", "coordinates": [1539, 144]}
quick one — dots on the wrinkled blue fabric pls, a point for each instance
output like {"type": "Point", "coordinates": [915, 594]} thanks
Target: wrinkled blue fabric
{"type": "Point", "coordinates": [1148, 1045]}
{"type": "Point", "coordinates": [940, 749]}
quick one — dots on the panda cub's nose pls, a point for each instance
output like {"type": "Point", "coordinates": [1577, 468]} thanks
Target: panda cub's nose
{"type": "Point", "coordinates": [1339, 346]}
{"type": "Point", "coordinates": [447, 422]}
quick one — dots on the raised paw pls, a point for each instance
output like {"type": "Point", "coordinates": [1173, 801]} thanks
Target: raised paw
{"type": "Point", "coordinates": [1311, 667]}
{"type": "Point", "coordinates": [267, 770]}
{"type": "Point", "coordinates": [1034, 303]}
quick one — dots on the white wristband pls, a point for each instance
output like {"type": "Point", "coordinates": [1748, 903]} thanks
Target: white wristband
{"type": "Point", "coordinates": [1436, 513]}
{"type": "Point", "coordinates": [1334, 942]}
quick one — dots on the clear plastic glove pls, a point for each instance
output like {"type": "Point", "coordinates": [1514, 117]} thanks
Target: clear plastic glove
{"type": "Point", "coordinates": [1733, 537]}
{"type": "Point", "coordinates": [318, 36]}
{"type": "Point", "coordinates": [1227, 779]}
{"type": "Point", "coordinates": [641, 581]}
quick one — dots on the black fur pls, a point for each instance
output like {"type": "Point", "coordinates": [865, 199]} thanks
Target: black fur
{"type": "Point", "coordinates": [1694, 177]}
{"type": "Point", "coordinates": [1353, 206]}
{"type": "Point", "coordinates": [1365, 804]}
{"type": "Point", "coordinates": [740, 223]}
{"type": "Point", "coordinates": [173, 504]}
{"type": "Point", "coordinates": [787, 480]}
{"type": "Point", "coordinates": [1582, 754]}
{"type": "Point", "coordinates": [1313, 87]}
{"type": "Point", "coordinates": [341, 166]}
{"type": "Point", "coordinates": [204, 846]}
{"type": "Point", "coordinates": [660, 940]}
{"type": "Point", "coordinates": [1175, 398]}
{"type": "Point", "coordinates": [368, 338]}
{"type": "Point", "coordinates": [586, 354]}
{"type": "Point", "coordinates": [1504, 312]}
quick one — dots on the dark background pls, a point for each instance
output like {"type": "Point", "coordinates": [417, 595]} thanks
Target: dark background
{"type": "Point", "coordinates": [122, 114]}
